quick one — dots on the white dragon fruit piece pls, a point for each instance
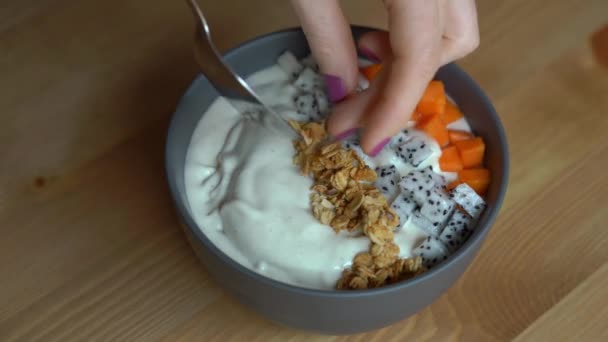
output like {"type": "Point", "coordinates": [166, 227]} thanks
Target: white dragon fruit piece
{"type": "Point", "coordinates": [308, 80]}
{"type": "Point", "coordinates": [417, 185]}
{"type": "Point", "coordinates": [457, 231]}
{"type": "Point", "coordinates": [322, 102]}
{"type": "Point", "coordinates": [437, 208]}
{"type": "Point", "coordinates": [432, 251]}
{"type": "Point", "coordinates": [362, 83]}
{"type": "Point", "coordinates": [428, 173]}
{"type": "Point", "coordinates": [414, 151]}
{"type": "Point", "coordinates": [305, 105]}
{"type": "Point", "coordinates": [403, 205]}
{"type": "Point", "coordinates": [468, 199]}
{"type": "Point", "coordinates": [399, 139]}
{"type": "Point", "coordinates": [352, 143]}
{"type": "Point", "coordinates": [425, 224]}
{"type": "Point", "coordinates": [388, 181]}
{"type": "Point", "coordinates": [289, 63]}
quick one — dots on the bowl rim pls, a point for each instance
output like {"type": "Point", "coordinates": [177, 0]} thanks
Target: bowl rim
{"type": "Point", "coordinates": [478, 234]}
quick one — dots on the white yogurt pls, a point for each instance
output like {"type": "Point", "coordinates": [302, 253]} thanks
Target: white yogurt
{"type": "Point", "coordinates": [249, 199]}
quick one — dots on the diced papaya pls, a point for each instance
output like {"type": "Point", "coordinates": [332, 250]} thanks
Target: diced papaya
{"type": "Point", "coordinates": [416, 116]}
{"type": "Point", "coordinates": [459, 135]}
{"type": "Point", "coordinates": [433, 126]}
{"type": "Point", "coordinates": [471, 152]}
{"type": "Point", "coordinates": [451, 113]}
{"type": "Point", "coordinates": [478, 179]}
{"type": "Point", "coordinates": [371, 71]}
{"type": "Point", "coordinates": [433, 100]}
{"type": "Point", "coordinates": [450, 160]}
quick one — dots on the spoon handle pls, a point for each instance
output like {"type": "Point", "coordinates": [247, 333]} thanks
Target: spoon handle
{"type": "Point", "coordinates": [225, 80]}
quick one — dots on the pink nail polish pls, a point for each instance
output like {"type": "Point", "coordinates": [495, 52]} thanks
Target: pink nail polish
{"type": "Point", "coordinates": [369, 54]}
{"type": "Point", "coordinates": [345, 134]}
{"type": "Point", "coordinates": [379, 147]}
{"type": "Point", "coordinates": [336, 90]}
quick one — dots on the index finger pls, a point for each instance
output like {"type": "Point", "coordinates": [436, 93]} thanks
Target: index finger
{"type": "Point", "coordinates": [330, 39]}
{"type": "Point", "coordinates": [415, 38]}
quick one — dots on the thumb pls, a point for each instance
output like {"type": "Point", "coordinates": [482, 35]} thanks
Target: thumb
{"type": "Point", "coordinates": [415, 36]}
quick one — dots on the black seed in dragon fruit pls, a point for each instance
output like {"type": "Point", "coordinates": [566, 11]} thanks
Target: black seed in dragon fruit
{"type": "Point", "coordinates": [424, 223]}
{"type": "Point", "coordinates": [414, 151]}
{"type": "Point", "coordinates": [308, 80]}
{"type": "Point", "coordinates": [403, 205]}
{"type": "Point", "coordinates": [418, 185]}
{"type": "Point", "coordinates": [468, 199]}
{"type": "Point", "coordinates": [289, 63]}
{"type": "Point", "coordinates": [388, 181]}
{"type": "Point", "coordinates": [457, 231]}
{"type": "Point", "coordinates": [432, 251]}
{"type": "Point", "coordinates": [437, 209]}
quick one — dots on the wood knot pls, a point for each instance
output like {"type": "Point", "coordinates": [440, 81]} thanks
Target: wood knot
{"type": "Point", "coordinates": [39, 182]}
{"type": "Point", "coordinates": [599, 44]}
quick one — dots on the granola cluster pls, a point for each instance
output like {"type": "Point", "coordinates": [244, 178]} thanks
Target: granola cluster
{"type": "Point", "coordinates": [344, 197]}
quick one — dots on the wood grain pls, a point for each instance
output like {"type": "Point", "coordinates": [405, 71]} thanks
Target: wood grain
{"type": "Point", "coordinates": [90, 246]}
{"type": "Point", "coordinates": [574, 318]}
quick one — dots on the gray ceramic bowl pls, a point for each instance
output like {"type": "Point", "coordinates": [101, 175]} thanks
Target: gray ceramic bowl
{"type": "Point", "coordinates": [331, 312]}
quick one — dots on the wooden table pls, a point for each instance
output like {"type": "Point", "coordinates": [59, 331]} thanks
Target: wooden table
{"type": "Point", "coordinates": [90, 245]}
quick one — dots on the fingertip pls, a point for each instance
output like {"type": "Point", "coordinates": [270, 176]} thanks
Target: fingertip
{"type": "Point", "coordinates": [373, 141]}
{"type": "Point", "coordinates": [343, 119]}
{"type": "Point", "coordinates": [350, 113]}
{"type": "Point", "coordinates": [330, 39]}
{"type": "Point", "coordinates": [379, 147]}
{"type": "Point", "coordinates": [336, 88]}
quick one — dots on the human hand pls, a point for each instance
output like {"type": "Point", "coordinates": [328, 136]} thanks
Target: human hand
{"type": "Point", "coordinates": [423, 35]}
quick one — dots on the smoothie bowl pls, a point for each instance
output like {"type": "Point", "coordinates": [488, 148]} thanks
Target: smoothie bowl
{"type": "Point", "coordinates": [312, 233]}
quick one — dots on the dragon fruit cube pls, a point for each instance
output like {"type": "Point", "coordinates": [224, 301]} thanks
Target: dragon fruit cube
{"type": "Point", "coordinates": [428, 173]}
{"type": "Point", "coordinates": [457, 231]}
{"type": "Point", "coordinates": [322, 103]}
{"type": "Point", "coordinates": [388, 181]}
{"type": "Point", "coordinates": [417, 185]}
{"type": "Point", "coordinates": [399, 139]}
{"type": "Point", "coordinates": [305, 105]}
{"type": "Point", "coordinates": [469, 200]}
{"type": "Point", "coordinates": [432, 252]}
{"type": "Point", "coordinates": [350, 143]}
{"type": "Point", "coordinates": [289, 63]}
{"type": "Point", "coordinates": [308, 80]}
{"type": "Point", "coordinates": [425, 224]}
{"type": "Point", "coordinates": [437, 208]}
{"type": "Point", "coordinates": [362, 83]}
{"type": "Point", "coordinates": [414, 151]}
{"type": "Point", "coordinates": [353, 144]}
{"type": "Point", "coordinates": [403, 205]}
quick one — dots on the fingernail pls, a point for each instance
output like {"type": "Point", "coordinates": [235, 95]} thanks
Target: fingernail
{"type": "Point", "coordinates": [369, 54]}
{"type": "Point", "coordinates": [346, 134]}
{"type": "Point", "coordinates": [335, 88]}
{"type": "Point", "coordinates": [379, 147]}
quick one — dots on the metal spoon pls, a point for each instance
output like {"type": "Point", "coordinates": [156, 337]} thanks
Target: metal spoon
{"type": "Point", "coordinates": [225, 80]}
